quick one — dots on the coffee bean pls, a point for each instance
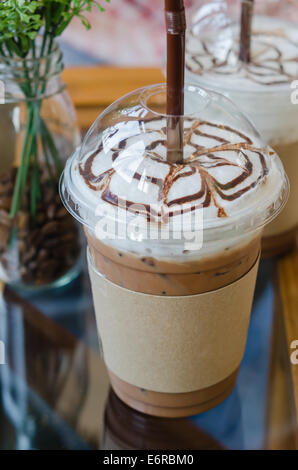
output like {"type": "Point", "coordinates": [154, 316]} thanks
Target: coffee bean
{"type": "Point", "coordinates": [6, 188]}
{"type": "Point", "coordinates": [62, 212]}
{"type": "Point", "coordinates": [50, 228]}
{"type": "Point", "coordinates": [32, 265]}
{"type": "Point", "coordinates": [22, 246]}
{"type": "Point", "coordinates": [22, 220]}
{"type": "Point", "coordinates": [69, 237]}
{"type": "Point", "coordinates": [29, 255]}
{"type": "Point", "coordinates": [51, 242]}
{"type": "Point", "coordinates": [23, 234]}
{"type": "Point", "coordinates": [42, 255]}
{"type": "Point", "coordinates": [4, 218]}
{"type": "Point", "coordinates": [4, 236]}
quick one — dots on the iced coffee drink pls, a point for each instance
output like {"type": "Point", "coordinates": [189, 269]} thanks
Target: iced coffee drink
{"type": "Point", "coordinates": [261, 88]}
{"type": "Point", "coordinates": [173, 248]}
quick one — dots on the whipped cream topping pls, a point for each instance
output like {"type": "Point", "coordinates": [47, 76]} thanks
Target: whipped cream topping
{"type": "Point", "coordinates": [228, 186]}
{"type": "Point", "coordinates": [225, 173]}
{"type": "Point", "coordinates": [274, 54]}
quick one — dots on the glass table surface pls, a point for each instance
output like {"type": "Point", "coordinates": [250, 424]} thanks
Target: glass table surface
{"type": "Point", "coordinates": [55, 391]}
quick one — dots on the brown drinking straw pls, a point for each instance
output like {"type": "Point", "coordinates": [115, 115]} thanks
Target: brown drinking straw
{"type": "Point", "coordinates": [245, 36]}
{"type": "Point", "coordinates": [175, 25]}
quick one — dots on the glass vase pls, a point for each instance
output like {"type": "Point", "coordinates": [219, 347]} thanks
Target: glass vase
{"type": "Point", "coordinates": [39, 242]}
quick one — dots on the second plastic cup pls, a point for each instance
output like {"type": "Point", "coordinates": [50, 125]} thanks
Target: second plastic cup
{"type": "Point", "coordinates": [264, 89]}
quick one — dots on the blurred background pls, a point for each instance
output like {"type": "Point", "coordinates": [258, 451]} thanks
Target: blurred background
{"type": "Point", "coordinates": [129, 33]}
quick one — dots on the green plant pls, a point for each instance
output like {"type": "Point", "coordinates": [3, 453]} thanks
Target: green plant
{"type": "Point", "coordinates": [22, 22]}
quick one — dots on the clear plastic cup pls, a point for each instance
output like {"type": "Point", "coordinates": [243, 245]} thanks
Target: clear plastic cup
{"type": "Point", "coordinates": [265, 89]}
{"type": "Point", "coordinates": [173, 248]}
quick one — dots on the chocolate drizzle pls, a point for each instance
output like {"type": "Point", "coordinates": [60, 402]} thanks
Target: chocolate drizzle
{"type": "Point", "coordinates": [199, 160]}
{"type": "Point", "coordinates": [268, 67]}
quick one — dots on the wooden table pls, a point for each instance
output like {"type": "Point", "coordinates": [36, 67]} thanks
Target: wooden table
{"type": "Point", "coordinates": [92, 89]}
{"type": "Point", "coordinates": [287, 321]}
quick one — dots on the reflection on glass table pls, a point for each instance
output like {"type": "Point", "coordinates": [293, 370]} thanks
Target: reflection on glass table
{"type": "Point", "coordinates": [55, 392]}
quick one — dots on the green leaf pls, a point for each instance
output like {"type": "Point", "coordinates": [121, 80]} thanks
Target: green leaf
{"type": "Point", "coordinates": [20, 22]}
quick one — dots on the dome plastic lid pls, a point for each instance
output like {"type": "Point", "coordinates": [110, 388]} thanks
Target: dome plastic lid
{"type": "Point", "coordinates": [229, 181]}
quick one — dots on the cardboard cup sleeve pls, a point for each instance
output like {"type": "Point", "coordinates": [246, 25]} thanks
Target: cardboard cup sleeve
{"type": "Point", "coordinates": [173, 344]}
